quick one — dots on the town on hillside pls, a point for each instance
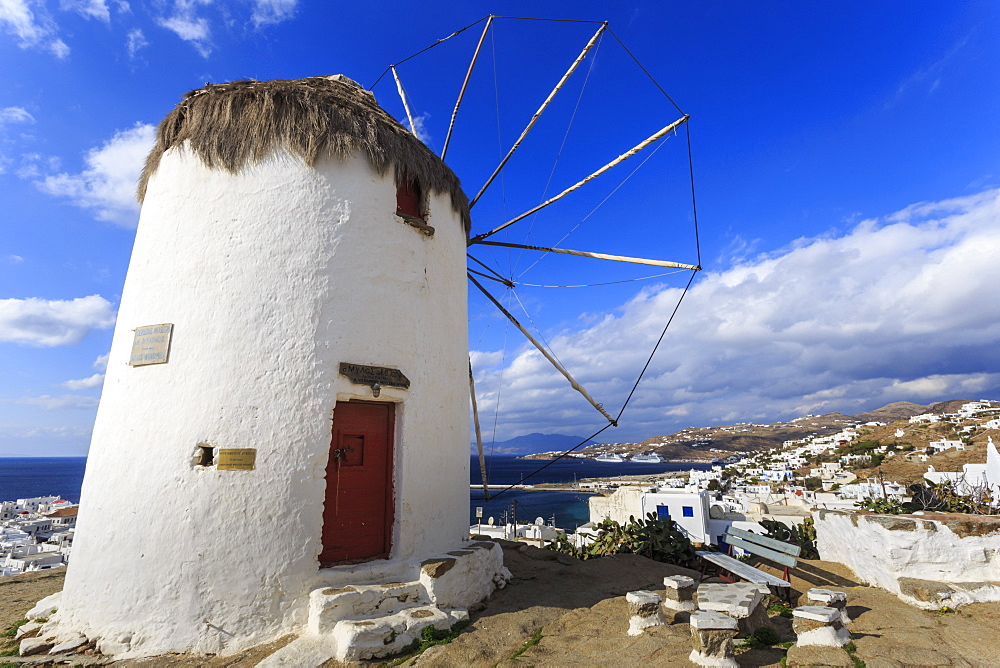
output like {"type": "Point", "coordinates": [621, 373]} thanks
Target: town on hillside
{"type": "Point", "coordinates": [36, 534]}
{"type": "Point", "coordinates": [944, 458]}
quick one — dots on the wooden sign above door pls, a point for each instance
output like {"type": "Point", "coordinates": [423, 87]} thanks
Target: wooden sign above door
{"type": "Point", "coordinates": [362, 374]}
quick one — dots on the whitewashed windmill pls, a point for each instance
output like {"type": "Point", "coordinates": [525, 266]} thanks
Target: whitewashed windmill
{"type": "Point", "coordinates": [286, 392]}
{"type": "Point", "coordinates": [281, 446]}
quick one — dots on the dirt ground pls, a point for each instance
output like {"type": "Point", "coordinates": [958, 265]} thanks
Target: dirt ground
{"type": "Point", "coordinates": [19, 593]}
{"type": "Point", "coordinates": [580, 609]}
{"type": "Point", "coordinates": [556, 597]}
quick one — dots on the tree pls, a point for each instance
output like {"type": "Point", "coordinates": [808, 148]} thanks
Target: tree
{"type": "Point", "coordinates": [812, 483]}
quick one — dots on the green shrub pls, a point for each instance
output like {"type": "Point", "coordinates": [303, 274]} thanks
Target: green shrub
{"type": "Point", "coordinates": [12, 629]}
{"type": "Point", "coordinates": [775, 606]}
{"type": "Point", "coordinates": [562, 544]}
{"type": "Point", "coordinates": [654, 537]}
{"type": "Point", "coordinates": [429, 637]}
{"type": "Point", "coordinates": [879, 505]}
{"type": "Point", "coordinates": [766, 636]}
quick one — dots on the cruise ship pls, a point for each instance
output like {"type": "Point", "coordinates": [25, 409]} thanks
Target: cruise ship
{"type": "Point", "coordinates": [609, 457]}
{"type": "Point", "coordinates": [648, 458]}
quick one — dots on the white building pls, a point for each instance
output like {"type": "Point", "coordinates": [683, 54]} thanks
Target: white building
{"type": "Point", "coordinates": [692, 510]}
{"type": "Point", "coordinates": [944, 444]}
{"type": "Point", "coordinates": [973, 477]}
{"type": "Point", "coordinates": [39, 504]}
{"type": "Point", "coordinates": [973, 407]}
{"type": "Point", "coordinates": [874, 489]}
{"type": "Point", "coordinates": [287, 388]}
{"type": "Point", "coordinates": [776, 475]}
{"type": "Point", "coordinates": [31, 557]}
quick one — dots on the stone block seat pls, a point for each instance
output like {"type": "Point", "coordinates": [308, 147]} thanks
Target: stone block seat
{"type": "Point", "coordinates": [644, 611]}
{"type": "Point", "coordinates": [819, 625]}
{"type": "Point", "coordinates": [743, 601]}
{"type": "Point", "coordinates": [830, 598]}
{"type": "Point", "coordinates": [712, 636]}
{"type": "Point", "coordinates": [678, 596]}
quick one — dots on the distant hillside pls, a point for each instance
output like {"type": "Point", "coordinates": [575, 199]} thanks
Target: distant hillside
{"type": "Point", "coordinates": [530, 444]}
{"type": "Point", "coordinates": [897, 410]}
{"type": "Point", "coordinates": [903, 410]}
{"type": "Point", "coordinates": [706, 443]}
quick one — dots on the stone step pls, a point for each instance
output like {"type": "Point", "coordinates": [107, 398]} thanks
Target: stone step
{"type": "Point", "coordinates": [370, 572]}
{"type": "Point", "coordinates": [355, 639]}
{"type": "Point", "coordinates": [330, 605]}
{"type": "Point", "coordinates": [358, 639]}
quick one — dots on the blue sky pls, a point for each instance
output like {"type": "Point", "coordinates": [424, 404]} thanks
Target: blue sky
{"type": "Point", "coordinates": [846, 158]}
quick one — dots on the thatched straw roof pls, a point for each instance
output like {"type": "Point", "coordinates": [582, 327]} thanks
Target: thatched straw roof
{"type": "Point", "coordinates": [233, 125]}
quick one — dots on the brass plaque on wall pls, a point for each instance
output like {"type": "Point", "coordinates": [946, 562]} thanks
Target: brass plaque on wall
{"type": "Point", "coordinates": [151, 344]}
{"type": "Point", "coordinates": [237, 459]}
{"type": "Point", "coordinates": [362, 374]}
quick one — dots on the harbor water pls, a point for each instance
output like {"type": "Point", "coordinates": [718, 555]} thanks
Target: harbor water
{"type": "Point", "coordinates": [567, 509]}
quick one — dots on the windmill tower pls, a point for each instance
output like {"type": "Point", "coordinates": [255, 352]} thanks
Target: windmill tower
{"type": "Point", "coordinates": [284, 422]}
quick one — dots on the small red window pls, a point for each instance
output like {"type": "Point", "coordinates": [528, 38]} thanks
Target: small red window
{"type": "Point", "coordinates": [409, 200]}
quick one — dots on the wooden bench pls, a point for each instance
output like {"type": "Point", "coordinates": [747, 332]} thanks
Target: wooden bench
{"type": "Point", "coordinates": [761, 546]}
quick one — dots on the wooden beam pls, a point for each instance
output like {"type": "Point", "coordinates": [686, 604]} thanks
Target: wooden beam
{"type": "Point", "coordinates": [579, 184]}
{"type": "Point", "coordinates": [402, 96]}
{"type": "Point", "coordinates": [599, 256]}
{"type": "Point", "coordinates": [545, 353]}
{"type": "Point", "coordinates": [479, 434]}
{"type": "Point", "coordinates": [461, 93]}
{"type": "Point", "coordinates": [534, 119]}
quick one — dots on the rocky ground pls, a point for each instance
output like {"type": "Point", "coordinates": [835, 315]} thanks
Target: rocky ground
{"type": "Point", "coordinates": [576, 611]}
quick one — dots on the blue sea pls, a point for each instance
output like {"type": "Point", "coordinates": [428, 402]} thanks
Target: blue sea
{"type": "Point", "coordinates": [25, 477]}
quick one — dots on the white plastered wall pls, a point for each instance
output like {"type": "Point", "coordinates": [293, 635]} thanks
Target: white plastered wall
{"type": "Point", "coordinates": [271, 278]}
{"type": "Point", "coordinates": [881, 549]}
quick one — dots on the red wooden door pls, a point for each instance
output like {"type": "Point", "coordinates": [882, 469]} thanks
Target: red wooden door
{"type": "Point", "coordinates": [357, 515]}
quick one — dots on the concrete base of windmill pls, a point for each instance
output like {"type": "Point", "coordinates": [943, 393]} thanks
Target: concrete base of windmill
{"type": "Point", "coordinates": [367, 611]}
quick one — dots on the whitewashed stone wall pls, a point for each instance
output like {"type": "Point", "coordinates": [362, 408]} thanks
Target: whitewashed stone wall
{"type": "Point", "coordinates": [926, 561]}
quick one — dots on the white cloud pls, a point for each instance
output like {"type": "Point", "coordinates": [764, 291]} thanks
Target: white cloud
{"type": "Point", "coordinates": [60, 402]}
{"type": "Point", "coordinates": [47, 431]}
{"type": "Point", "coordinates": [33, 164]}
{"type": "Point", "coordinates": [107, 185]}
{"type": "Point", "coordinates": [900, 308]}
{"type": "Point", "coordinates": [84, 383]}
{"type": "Point", "coordinates": [91, 9]}
{"type": "Point", "coordinates": [14, 259]}
{"type": "Point", "coordinates": [58, 48]}
{"type": "Point", "coordinates": [31, 30]}
{"type": "Point", "coordinates": [134, 41]}
{"type": "Point", "coordinates": [43, 323]}
{"type": "Point", "coordinates": [186, 24]}
{"type": "Point", "coordinates": [419, 128]}
{"type": "Point", "coordinates": [190, 20]}
{"type": "Point", "coordinates": [929, 76]}
{"type": "Point", "coordinates": [266, 12]}
{"type": "Point", "coordinates": [101, 363]}
{"type": "Point", "coordinates": [15, 114]}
